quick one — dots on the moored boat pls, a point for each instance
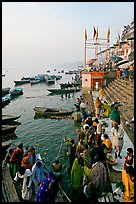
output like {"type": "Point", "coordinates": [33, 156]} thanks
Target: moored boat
{"type": "Point", "coordinates": [48, 112]}
{"type": "Point", "coordinates": [58, 77]}
{"type": "Point", "coordinates": [9, 118]}
{"type": "Point", "coordinates": [6, 129]}
{"type": "Point", "coordinates": [22, 81]}
{"type": "Point", "coordinates": [5, 91]}
{"type": "Point", "coordinates": [36, 81]}
{"type": "Point", "coordinates": [50, 79]}
{"type": "Point", "coordinates": [5, 101]}
{"type": "Point", "coordinates": [11, 191]}
{"type": "Point", "coordinates": [63, 91]}
{"type": "Point", "coordinates": [41, 77]}
{"type": "Point", "coordinates": [16, 91]}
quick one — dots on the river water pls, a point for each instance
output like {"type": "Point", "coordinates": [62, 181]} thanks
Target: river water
{"type": "Point", "coordinates": [46, 135]}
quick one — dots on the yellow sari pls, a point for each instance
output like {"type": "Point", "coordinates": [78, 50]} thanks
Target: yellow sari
{"type": "Point", "coordinates": [101, 93]}
{"type": "Point", "coordinates": [129, 188]}
{"type": "Point", "coordinates": [108, 144]}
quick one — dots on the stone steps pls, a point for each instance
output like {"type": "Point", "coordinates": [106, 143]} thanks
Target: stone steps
{"type": "Point", "coordinates": [123, 91]}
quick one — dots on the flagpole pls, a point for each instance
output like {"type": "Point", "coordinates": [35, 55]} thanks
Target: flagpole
{"type": "Point", "coordinates": [109, 53]}
{"type": "Point", "coordinates": [108, 48]}
{"type": "Point", "coordinates": [85, 51]}
{"type": "Point", "coordinates": [96, 47]}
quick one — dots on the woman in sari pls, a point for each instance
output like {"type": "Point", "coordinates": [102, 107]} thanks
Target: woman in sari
{"type": "Point", "coordinates": [97, 107]}
{"type": "Point", "coordinates": [128, 181]}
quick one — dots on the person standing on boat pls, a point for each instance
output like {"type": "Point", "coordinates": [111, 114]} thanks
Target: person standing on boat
{"type": "Point", "coordinates": [16, 158]}
{"type": "Point", "coordinates": [26, 174]}
{"type": "Point", "coordinates": [26, 163]}
{"type": "Point", "coordinates": [26, 150]}
{"type": "Point", "coordinates": [48, 189]}
{"type": "Point", "coordinates": [37, 174]}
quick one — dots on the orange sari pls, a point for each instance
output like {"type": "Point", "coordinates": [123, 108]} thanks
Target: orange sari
{"type": "Point", "coordinates": [108, 144]}
{"type": "Point", "coordinates": [129, 188]}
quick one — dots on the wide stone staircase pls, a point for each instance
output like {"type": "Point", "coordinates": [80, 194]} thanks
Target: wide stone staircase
{"type": "Point", "coordinates": [123, 91]}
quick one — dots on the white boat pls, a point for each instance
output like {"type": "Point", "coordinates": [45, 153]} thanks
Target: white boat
{"type": "Point", "coordinates": [36, 81]}
{"type": "Point", "coordinates": [50, 79]}
{"type": "Point", "coordinates": [16, 91]}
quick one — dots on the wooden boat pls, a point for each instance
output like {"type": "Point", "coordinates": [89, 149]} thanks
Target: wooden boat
{"type": "Point", "coordinates": [63, 91]}
{"type": "Point", "coordinates": [16, 91]}
{"type": "Point", "coordinates": [36, 81]}
{"type": "Point", "coordinates": [5, 91]}
{"type": "Point", "coordinates": [48, 112]}
{"type": "Point", "coordinates": [6, 129]}
{"type": "Point", "coordinates": [9, 118]}
{"type": "Point", "coordinates": [10, 189]}
{"type": "Point", "coordinates": [22, 81]}
{"type": "Point", "coordinates": [5, 101]}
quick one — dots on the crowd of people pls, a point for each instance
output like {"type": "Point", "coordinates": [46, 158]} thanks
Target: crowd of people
{"type": "Point", "coordinates": [26, 163]}
{"type": "Point", "coordinates": [88, 159]}
{"type": "Point", "coordinates": [91, 153]}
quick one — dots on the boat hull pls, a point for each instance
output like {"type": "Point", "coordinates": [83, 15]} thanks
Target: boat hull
{"type": "Point", "coordinates": [51, 112]}
{"type": "Point", "coordinates": [50, 82]}
{"type": "Point", "coordinates": [25, 81]}
{"type": "Point", "coordinates": [62, 91]}
{"type": "Point", "coordinates": [5, 101]}
{"type": "Point", "coordinates": [16, 92]}
{"type": "Point", "coordinates": [9, 118]}
{"type": "Point", "coordinates": [5, 91]}
{"type": "Point", "coordinates": [35, 82]}
{"type": "Point", "coordinates": [6, 129]}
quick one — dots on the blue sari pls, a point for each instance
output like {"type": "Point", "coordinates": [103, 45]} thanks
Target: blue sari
{"type": "Point", "coordinates": [48, 189]}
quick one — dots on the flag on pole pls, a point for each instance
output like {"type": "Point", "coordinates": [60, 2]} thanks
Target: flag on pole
{"type": "Point", "coordinates": [96, 37]}
{"type": "Point", "coordinates": [94, 33]}
{"type": "Point", "coordinates": [108, 35]}
{"type": "Point", "coordinates": [85, 35]}
{"type": "Point", "coordinates": [119, 39]}
{"type": "Point", "coordinates": [118, 36]}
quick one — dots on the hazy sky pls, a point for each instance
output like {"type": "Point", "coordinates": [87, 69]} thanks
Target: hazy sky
{"type": "Point", "coordinates": [37, 34]}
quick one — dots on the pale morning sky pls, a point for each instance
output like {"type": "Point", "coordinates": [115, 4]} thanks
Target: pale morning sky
{"type": "Point", "coordinates": [37, 34]}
